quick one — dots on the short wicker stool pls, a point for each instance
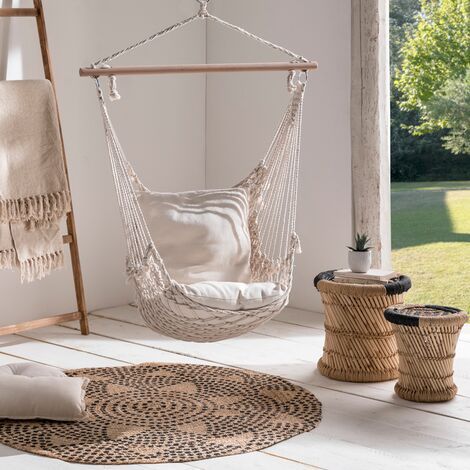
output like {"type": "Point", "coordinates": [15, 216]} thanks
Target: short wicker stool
{"type": "Point", "coordinates": [427, 336]}
{"type": "Point", "coordinates": [359, 344]}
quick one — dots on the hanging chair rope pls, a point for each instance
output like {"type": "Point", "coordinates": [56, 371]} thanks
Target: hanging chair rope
{"type": "Point", "coordinates": [140, 246]}
{"type": "Point", "coordinates": [273, 210]}
{"type": "Point", "coordinates": [276, 216]}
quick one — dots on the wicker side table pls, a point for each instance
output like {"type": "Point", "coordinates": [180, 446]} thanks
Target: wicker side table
{"type": "Point", "coordinates": [427, 336]}
{"type": "Point", "coordinates": [360, 345]}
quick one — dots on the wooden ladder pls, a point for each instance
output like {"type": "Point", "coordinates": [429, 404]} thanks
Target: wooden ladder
{"type": "Point", "coordinates": [71, 237]}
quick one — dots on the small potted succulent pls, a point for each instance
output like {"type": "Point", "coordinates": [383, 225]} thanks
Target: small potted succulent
{"type": "Point", "coordinates": [360, 255]}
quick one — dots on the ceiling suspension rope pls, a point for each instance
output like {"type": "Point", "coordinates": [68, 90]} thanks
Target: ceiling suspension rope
{"type": "Point", "coordinates": [105, 60]}
{"type": "Point", "coordinates": [202, 14]}
{"type": "Point", "coordinates": [203, 8]}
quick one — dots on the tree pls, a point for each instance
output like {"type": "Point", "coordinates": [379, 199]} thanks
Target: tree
{"type": "Point", "coordinates": [452, 106]}
{"type": "Point", "coordinates": [435, 59]}
{"type": "Point", "coordinates": [403, 18]}
{"type": "Point", "coordinates": [414, 157]}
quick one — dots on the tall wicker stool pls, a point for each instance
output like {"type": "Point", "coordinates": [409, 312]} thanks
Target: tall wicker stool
{"type": "Point", "coordinates": [359, 344]}
{"type": "Point", "coordinates": [427, 336]}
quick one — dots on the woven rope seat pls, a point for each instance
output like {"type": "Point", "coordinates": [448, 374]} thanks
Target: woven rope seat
{"type": "Point", "coordinates": [360, 345]}
{"type": "Point", "coordinates": [427, 337]}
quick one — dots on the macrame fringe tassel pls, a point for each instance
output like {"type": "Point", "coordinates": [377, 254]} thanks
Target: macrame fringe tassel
{"type": "Point", "coordinates": [35, 211]}
{"type": "Point", "coordinates": [35, 269]}
{"type": "Point", "coordinates": [8, 259]}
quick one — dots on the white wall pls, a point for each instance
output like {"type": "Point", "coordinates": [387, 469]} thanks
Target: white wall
{"type": "Point", "coordinates": [243, 111]}
{"type": "Point", "coordinates": [167, 115]}
{"type": "Point", "coordinates": [160, 121]}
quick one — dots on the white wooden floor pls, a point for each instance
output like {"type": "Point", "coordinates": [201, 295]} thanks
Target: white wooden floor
{"type": "Point", "coordinates": [365, 426]}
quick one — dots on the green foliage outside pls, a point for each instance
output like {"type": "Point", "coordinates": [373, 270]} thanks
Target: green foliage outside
{"type": "Point", "coordinates": [435, 59]}
{"type": "Point", "coordinates": [451, 106]}
{"type": "Point", "coordinates": [430, 115]}
{"type": "Point", "coordinates": [431, 240]}
{"type": "Point", "coordinates": [430, 93]}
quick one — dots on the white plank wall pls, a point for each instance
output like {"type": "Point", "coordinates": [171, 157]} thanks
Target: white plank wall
{"type": "Point", "coordinates": [364, 425]}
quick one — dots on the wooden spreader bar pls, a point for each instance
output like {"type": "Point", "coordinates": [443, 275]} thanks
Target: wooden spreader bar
{"type": "Point", "coordinates": [199, 68]}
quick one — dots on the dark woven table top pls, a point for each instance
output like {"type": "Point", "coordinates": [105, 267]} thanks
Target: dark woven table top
{"type": "Point", "coordinates": [395, 286]}
{"type": "Point", "coordinates": [410, 314]}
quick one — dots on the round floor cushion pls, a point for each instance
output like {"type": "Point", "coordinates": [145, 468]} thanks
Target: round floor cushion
{"type": "Point", "coordinates": [156, 413]}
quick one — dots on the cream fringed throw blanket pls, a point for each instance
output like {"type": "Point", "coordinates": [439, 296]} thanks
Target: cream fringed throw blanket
{"type": "Point", "coordinates": [34, 193]}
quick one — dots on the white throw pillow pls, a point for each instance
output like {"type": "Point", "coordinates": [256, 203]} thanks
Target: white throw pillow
{"type": "Point", "coordinates": [201, 235]}
{"type": "Point", "coordinates": [30, 391]}
{"type": "Point", "coordinates": [30, 369]}
{"type": "Point", "coordinates": [234, 295]}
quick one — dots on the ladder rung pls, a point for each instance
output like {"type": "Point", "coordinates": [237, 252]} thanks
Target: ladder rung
{"type": "Point", "coordinates": [12, 12]}
{"type": "Point", "coordinates": [40, 323]}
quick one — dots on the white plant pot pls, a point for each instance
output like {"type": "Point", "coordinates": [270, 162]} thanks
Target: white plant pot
{"type": "Point", "coordinates": [360, 261]}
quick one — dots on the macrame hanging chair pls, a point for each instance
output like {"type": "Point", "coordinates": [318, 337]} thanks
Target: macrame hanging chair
{"type": "Point", "coordinates": [272, 189]}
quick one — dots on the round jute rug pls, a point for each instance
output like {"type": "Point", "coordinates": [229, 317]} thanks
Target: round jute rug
{"type": "Point", "coordinates": [156, 413]}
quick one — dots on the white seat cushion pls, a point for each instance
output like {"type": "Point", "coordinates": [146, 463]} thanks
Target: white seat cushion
{"type": "Point", "coordinates": [234, 295]}
{"type": "Point", "coordinates": [201, 235]}
{"type": "Point", "coordinates": [30, 391]}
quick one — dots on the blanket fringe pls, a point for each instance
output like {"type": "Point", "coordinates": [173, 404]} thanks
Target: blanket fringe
{"type": "Point", "coordinates": [36, 211]}
{"type": "Point", "coordinates": [38, 268]}
{"type": "Point", "coordinates": [8, 259]}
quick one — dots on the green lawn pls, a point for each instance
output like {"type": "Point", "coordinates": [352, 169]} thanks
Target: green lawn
{"type": "Point", "coordinates": [431, 240]}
